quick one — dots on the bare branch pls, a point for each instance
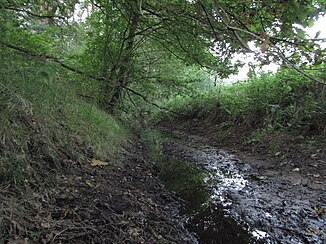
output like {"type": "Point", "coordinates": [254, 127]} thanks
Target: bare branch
{"type": "Point", "coordinates": [53, 59]}
{"type": "Point", "coordinates": [209, 21]}
{"type": "Point", "coordinates": [152, 103]}
{"type": "Point", "coordinates": [34, 14]}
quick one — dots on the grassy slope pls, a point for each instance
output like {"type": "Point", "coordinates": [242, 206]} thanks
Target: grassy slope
{"type": "Point", "coordinates": [43, 123]}
{"type": "Point", "coordinates": [45, 131]}
{"type": "Point", "coordinates": [49, 192]}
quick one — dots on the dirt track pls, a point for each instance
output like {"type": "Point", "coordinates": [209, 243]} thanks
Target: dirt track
{"type": "Point", "coordinates": [281, 201]}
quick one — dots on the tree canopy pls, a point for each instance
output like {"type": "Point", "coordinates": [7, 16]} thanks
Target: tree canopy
{"type": "Point", "coordinates": [124, 46]}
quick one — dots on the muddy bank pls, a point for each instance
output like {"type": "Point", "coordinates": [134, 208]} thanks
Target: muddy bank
{"type": "Point", "coordinates": [275, 152]}
{"type": "Point", "coordinates": [274, 202]}
{"type": "Point", "coordinates": [109, 202]}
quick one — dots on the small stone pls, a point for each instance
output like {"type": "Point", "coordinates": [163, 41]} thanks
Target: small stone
{"type": "Point", "coordinates": [278, 153]}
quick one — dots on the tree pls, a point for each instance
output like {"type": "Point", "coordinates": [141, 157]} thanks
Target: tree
{"type": "Point", "coordinates": [117, 36]}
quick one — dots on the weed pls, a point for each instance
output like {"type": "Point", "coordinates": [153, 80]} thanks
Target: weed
{"type": "Point", "coordinates": [256, 136]}
{"type": "Point", "coordinates": [274, 148]}
{"type": "Point", "coordinates": [277, 101]}
{"type": "Point", "coordinates": [43, 122]}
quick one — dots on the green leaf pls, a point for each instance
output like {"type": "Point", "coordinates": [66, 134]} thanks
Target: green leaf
{"type": "Point", "coordinates": [301, 33]}
{"type": "Point", "coordinates": [310, 22]}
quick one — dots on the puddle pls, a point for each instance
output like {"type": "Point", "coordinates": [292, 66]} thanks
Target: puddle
{"type": "Point", "coordinates": [229, 202]}
{"type": "Point", "coordinates": [207, 220]}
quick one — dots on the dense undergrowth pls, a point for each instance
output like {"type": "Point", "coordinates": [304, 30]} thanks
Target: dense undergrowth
{"type": "Point", "coordinates": [285, 100]}
{"type": "Point", "coordinates": [44, 126]}
{"type": "Point", "coordinates": [278, 115]}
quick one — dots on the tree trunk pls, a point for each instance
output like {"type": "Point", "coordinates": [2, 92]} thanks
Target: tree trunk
{"type": "Point", "coordinates": [123, 69]}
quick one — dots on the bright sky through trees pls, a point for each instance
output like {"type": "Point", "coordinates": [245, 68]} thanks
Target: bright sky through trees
{"type": "Point", "coordinates": [249, 58]}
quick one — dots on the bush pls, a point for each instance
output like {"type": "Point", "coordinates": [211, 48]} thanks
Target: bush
{"type": "Point", "coordinates": [282, 100]}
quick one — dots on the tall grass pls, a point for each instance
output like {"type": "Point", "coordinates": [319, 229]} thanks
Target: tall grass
{"type": "Point", "coordinates": [43, 124]}
{"type": "Point", "coordinates": [282, 100]}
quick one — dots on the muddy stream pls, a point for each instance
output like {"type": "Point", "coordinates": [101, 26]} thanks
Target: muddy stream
{"type": "Point", "coordinates": [227, 201]}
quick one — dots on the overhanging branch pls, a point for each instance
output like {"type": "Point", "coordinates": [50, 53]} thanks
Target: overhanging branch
{"type": "Point", "coordinates": [34, 14]}
{"type": "Point", "coordinates": [53, 59]}
{"type": "Point", "coordinates": [72, 69]}
{"type": "Point", "coordinates": [149, 102]}
{"type": "Point", "coordinates": [257, 37]}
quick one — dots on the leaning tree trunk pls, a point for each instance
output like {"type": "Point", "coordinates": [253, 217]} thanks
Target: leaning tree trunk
{"type": "Point", "coordinates": [123, 70]}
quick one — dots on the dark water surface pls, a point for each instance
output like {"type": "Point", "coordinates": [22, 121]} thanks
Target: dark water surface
{"type": "Point", "coordinates": [226, 201]}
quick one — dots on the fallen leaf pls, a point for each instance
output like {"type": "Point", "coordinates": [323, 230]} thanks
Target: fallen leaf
{"type": "Point", "coordinates": [277, 153]}
{"type": "Point", "coordinates": [89, 182]}
{"type": "Point", "coordinates": [45, 225]}
{"type": "Point", "coordinates": [315, 230]}
{"type": "Point", "coordinates": [67, 211]}
{"type": "Point", "coordinates": [134, 231]}
{"type": "Point", "coordinates": [320, 211]}
{"type": "Point", "coordinates": [96, 162]}
{"type": "Point", "coordinates": [296, 170]}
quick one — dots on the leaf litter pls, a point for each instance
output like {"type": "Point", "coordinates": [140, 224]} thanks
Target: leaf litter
{"type": "Point", "coordinates": [91, 203]}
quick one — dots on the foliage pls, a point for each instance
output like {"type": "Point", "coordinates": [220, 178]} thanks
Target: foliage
{"type": "Point", "coordinates": [44, 124]}
{"type": "Point", "coordinates": [285, 99]}
{"type": "Point", "coordinates": [121, 43]}
{"type": "Point", "coordinates": [135, 55]}
{"type": "Point", "coordinates": [171, 79]}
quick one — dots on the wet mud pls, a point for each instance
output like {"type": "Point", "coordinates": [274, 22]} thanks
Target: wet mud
{"type": "Point", "coordinates": [244, 204]}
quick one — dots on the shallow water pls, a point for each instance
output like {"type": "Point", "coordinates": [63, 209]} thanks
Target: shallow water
{"type": "Point", "coordinates": [227, 201]}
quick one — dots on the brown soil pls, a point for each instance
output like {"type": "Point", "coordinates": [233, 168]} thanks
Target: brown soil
{"type": "Point", "coordinates": [290, 168]}
{"type": "Point", "coordinates": [117, 203]}
{"type": "Point", "coordinates": [124, 201]}
{"type": "Point", "coordinates": [297, 156]}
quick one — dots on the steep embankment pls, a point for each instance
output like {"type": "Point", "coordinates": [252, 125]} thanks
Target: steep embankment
{"type": "Point", "coordinates": [71, 173]}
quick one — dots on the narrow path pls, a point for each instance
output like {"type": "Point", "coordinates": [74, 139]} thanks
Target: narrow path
{"type": "Point", "coordinates": [273, 207]}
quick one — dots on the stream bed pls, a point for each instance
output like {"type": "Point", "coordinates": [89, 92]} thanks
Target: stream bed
{"type": "Point", "coordinates": [228, 201]}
